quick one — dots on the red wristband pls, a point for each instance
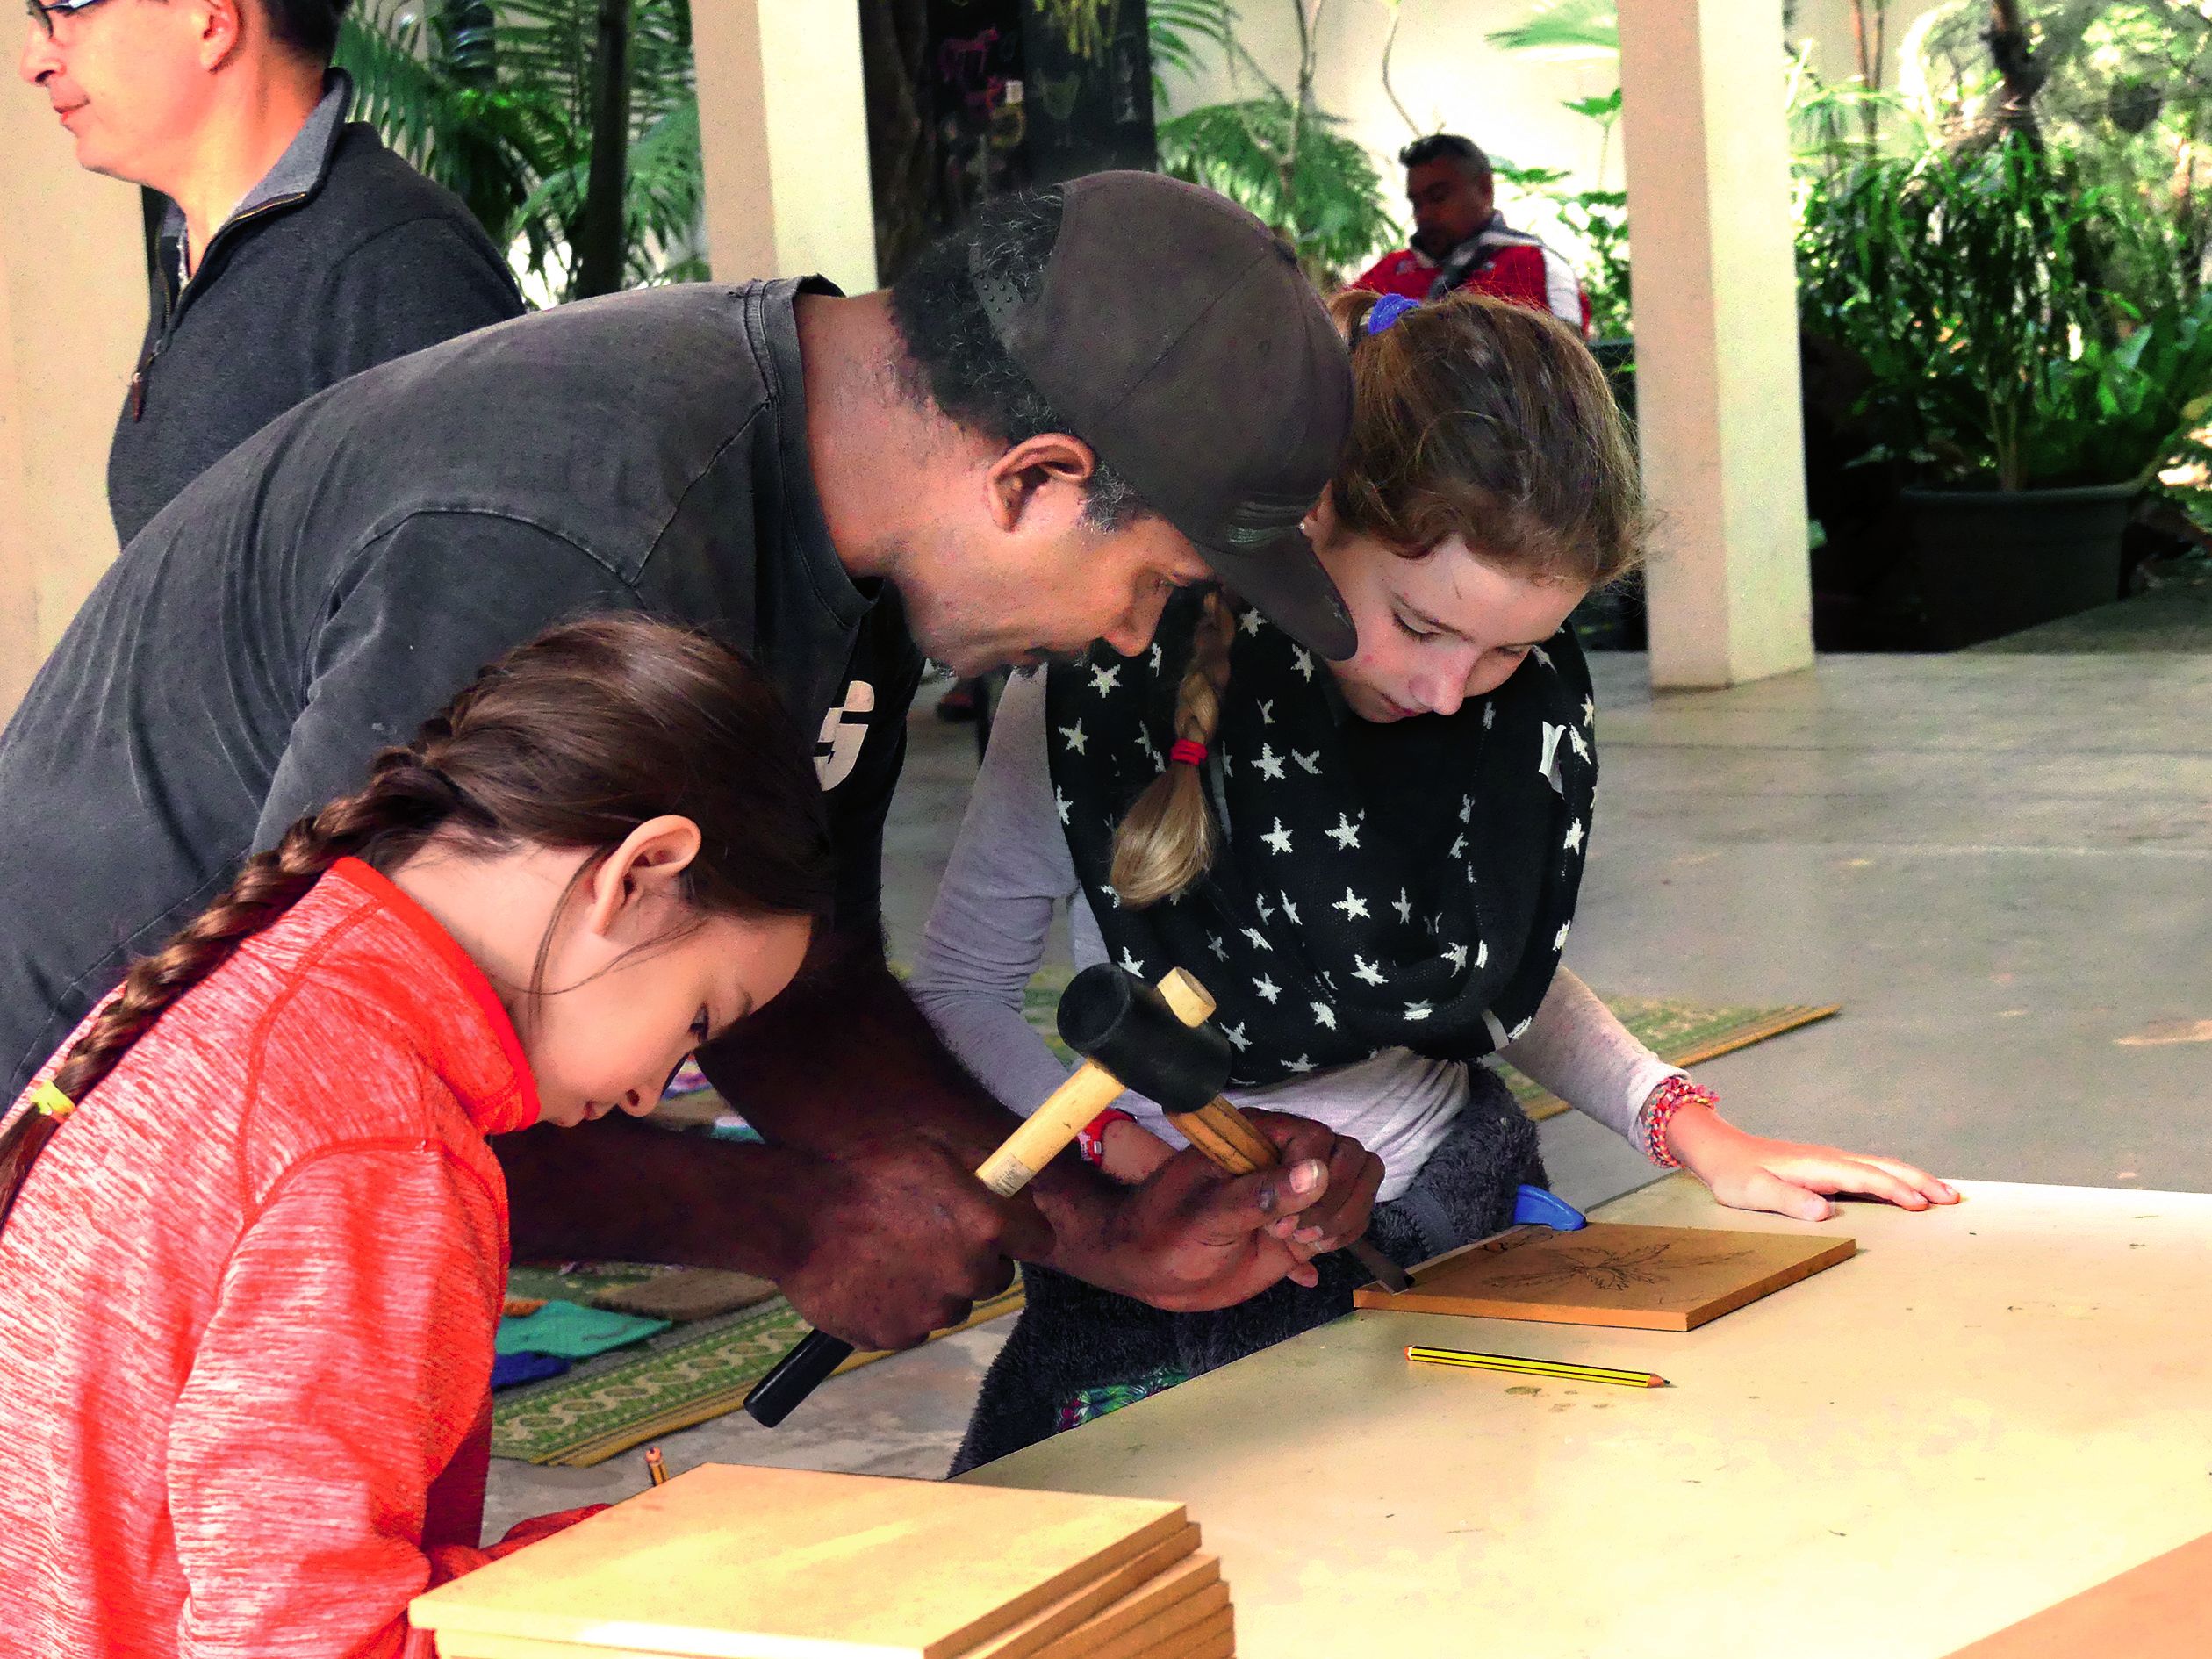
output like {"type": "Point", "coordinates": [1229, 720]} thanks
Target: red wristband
{"type": "Point", "coordinates": [1659, 1111]}
{"type": "Point", "coordinates": [1090, 1140]}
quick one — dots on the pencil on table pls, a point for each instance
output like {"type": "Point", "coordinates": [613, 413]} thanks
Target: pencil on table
{"type": "Point", "coordinates": [1535, 1368]}
{"type": "Point", "coordinates": [654, 1467]}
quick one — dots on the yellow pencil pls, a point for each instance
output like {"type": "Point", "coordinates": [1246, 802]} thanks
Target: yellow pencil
{"type": "Point", "coordinates": [1536, 1367]}
{"type": "Point", "coordinates": [654, 1467]}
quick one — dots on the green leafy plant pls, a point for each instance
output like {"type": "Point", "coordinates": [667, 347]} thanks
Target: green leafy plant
{"type": "Point", "coordinates": [1275, 150]}
{"type": "Point", "coordinates": [2000, 355]}
{"type": "Point", "coordinates": [496, 103]}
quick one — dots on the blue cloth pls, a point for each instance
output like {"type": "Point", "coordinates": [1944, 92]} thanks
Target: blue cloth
{"type": "Point", "coordinates": [508, 1369]}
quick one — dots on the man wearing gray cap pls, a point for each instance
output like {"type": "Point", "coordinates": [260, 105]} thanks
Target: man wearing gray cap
{"type": "Point", "coordinates": [1092, 396]}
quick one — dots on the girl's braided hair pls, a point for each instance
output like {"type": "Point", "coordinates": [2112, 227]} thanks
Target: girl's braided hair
{"type": "Point", "coordinates": [571, 741]}
{"type": "Point", "coordinates": [1473, 418]}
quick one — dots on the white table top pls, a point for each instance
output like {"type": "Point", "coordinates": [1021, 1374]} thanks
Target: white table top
{"type": "Point", "coordinates": [1992, 1407]}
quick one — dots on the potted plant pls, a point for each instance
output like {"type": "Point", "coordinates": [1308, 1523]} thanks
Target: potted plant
{"type": "Point", "coordinates": [2027, 400]}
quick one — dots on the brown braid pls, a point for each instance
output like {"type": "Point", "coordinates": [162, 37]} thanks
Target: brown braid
{"type": "Point", "coordinates": [570, 741]}
{"type": "Point", "coordinates": [1168, 840]}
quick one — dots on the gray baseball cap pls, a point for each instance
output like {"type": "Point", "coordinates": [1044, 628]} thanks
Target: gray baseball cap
{"type": "Point", "coordinates": [1178, 337]}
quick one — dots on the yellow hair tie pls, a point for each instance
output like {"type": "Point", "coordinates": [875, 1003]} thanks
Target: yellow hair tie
{"type": "Point", "coordinates": [51, 1101]}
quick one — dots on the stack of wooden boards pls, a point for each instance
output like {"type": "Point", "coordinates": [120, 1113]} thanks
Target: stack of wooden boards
{"type": "Point", "coordinates": [767, 1563]}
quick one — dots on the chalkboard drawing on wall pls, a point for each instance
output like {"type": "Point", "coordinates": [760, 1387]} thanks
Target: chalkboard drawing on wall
{"type": "Point", "coordinates": [1652, 1278]}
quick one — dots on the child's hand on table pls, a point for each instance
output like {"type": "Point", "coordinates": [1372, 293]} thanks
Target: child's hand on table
{"type": "Point", "coordinates": [1788, 1177]}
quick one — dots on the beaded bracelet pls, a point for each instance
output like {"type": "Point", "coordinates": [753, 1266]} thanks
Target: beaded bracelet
{"type": "Point", "coordinates": [1659, 1111]}
{"type": "Point", "coordinates": [1090, 1140]}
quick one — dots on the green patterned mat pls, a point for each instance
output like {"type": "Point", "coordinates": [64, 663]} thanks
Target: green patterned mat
{"type": "Point", "coordinates": [698, 1372]}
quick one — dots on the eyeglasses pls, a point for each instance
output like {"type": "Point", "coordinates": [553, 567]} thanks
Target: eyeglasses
{"type": "Point", "coordinates": [43, 11]}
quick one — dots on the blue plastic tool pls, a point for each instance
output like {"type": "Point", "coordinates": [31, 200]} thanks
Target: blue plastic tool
{"type": "Point", "coordinates": [1532, 1206]}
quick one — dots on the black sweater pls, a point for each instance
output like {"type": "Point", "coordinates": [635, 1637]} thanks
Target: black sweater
{"type": "Point", "coordinates": [343, 258]}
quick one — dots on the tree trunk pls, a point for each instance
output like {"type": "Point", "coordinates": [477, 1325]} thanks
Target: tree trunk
{"type": "Point", "coordinates": [602, 235]}
{"type": "Point", "coordinates": [902, 150]}
{"type": "Point", "coordinates": [2023, 77]}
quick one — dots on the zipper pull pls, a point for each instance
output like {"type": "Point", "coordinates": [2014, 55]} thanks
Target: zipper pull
{"type": "Point", "coordinates": [138, 395]}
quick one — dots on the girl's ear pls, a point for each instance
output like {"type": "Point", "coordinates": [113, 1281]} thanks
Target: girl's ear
{"type": "Point", "coordinates": [641, 875]}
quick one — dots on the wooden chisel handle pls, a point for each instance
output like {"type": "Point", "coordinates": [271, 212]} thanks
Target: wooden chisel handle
{"type": "Point", "coordinates": [1042, 1136]}
{"type": "Point", "coordinates": [1227, 1137]}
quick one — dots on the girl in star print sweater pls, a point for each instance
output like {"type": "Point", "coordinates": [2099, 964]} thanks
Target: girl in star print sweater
{"type": "Point", "coordinates": [1372, 864]}
{"type": "Point", "coordinates": [253, 1241]}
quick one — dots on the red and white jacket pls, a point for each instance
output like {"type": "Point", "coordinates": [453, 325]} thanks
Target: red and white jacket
{"type": "Point", "coordinates": [247, 1295]}
{"type": "Point", "coordinates": [1498, 260]}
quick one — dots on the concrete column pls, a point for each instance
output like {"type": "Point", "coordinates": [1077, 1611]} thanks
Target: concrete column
{"type": "Point", "coordinates": [72, 313]}
{"type": "Point", "coordinates": [1705, 142]}
{"type": "Point", "coordinates": [784, 125]}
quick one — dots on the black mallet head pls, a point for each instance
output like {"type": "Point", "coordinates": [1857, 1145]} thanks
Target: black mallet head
{"type": "Point", "coordinates": [1124, 1026]}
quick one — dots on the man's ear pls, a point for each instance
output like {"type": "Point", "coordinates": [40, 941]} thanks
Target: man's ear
{"type": "Point", "coordinates": [1039, 472]}
{"type": "Point", "coordinates": [222, 26]}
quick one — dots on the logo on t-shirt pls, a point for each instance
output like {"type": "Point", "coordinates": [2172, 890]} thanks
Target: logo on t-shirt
{"type": "Point", "coordinates": [843, 729]}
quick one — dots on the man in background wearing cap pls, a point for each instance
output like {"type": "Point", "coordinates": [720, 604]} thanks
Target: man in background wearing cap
{"type": "Point", "coordinates": [296, 249]}
{"type": "Point", "coordinates": [1090, 398]}
{"type": "Point", "coordinates": [1461, 241]}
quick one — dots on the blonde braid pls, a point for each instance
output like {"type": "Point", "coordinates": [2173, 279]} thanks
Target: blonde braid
{"type": "Point", "coordinates": [1168, 839]}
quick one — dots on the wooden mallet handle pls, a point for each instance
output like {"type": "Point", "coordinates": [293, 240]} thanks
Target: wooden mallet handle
{"type": "Point", "coordinates": [1227, 1137]}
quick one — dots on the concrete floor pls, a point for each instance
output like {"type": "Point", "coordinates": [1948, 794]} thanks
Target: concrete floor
{"type": "Point", "coordinates": [1999, 864]}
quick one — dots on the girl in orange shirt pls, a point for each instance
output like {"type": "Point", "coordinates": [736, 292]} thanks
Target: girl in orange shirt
{"type": "Point", "coordinates": [253, 1241]}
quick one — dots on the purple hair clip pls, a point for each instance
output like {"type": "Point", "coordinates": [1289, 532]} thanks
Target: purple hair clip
{"type": "Point", "coordinates": [1388, 310]}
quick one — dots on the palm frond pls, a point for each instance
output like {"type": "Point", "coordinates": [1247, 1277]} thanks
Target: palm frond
{"type": "Point", "coordinates": [1565, 31]}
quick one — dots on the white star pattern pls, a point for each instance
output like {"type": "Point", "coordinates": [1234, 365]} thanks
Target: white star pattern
{"type": "Point", "coordinates": [1301, 1064]}
{"type": "Point", "coordinates": [1404, 905]}
{"type": "Point", "coordinates": [1214, 943]}
{"type": "Point", "coordinates": [1104, 680]}
{"type": "Point", "coordinates": [1266, 713]}
{"type": "Point", "coordinates": [1075, 738]}
{"type": "Point", "coordinates": [1458, 955]}
{"type": "Point", "coordinates": [1352, 904]}
{"type": "Point", "coordinates": [1267, 987]}
{"type": "Point", "coordinates": [1270, 764]}
{"type": "Point", "coordinates": [1155, 658]}
{"type": "Point", "coordinates": [1061, 801]}
{"type": "Point", "coordinates": [1363, 969]}
{"type": "Point", "coordinates": [1542, 656]}
{"type": "Point", "coordinates": [1559, 939]}
{"type": "Point", "coordinates": [1228, 766]}
{"type": "Point", "coordinates": [1467, 808]}
{"type": "Point", "coordinates": [1258, 941]}
{"type": "Point", "coordinates": [1266, 913]}
{"type": "Point", "coordinates": [1345, 835]}
{"type": "Point", "coordinates": [1134, 964]}
{"type": "Point", "coordinates": [1250, 622]}
{"type": "Point", "coordinates": [1107, 887]}
{"type": "Point", "coordinates": [1310, 763]}
{"type": "Point", "coordinates": [1290, 911]}
{"type": "Point", "coordinates": [1589, 712]}
{"type": "Point", "coordinates": [1482, 953]}
{"type": "Point", "coordinates": [1518, 1033]}
{"type": "Point", "coordinates": [1278, 839]}
{"type": "Point", "coordinates": [1489, 715]}
{"type": "Point", "coordinates": [1581, 743]}
{"type": "Point", "coordinates": [1302, 661]}
{"type": "Point", "coordinates": [1324, 1016]}
{"type": "Point", "coordinates": [1459, 850]}
{"type": "Point", "coordinates": [1575, 837]}
{"type": "Point", "coordinates": [1236, 1034]}
{"type": "Point", "coordinates": [1417, 1011]}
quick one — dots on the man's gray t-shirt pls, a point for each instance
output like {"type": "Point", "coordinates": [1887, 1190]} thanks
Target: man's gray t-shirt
{"type": "Point", "coordinates": [335, 580]}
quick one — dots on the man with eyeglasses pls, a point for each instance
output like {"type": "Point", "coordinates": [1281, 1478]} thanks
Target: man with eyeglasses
{"type": "Point", "coordinates": [296, 249]}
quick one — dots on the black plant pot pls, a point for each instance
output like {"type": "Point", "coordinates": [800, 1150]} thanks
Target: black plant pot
{"type": "Point", "coordinates": [1993, 562]}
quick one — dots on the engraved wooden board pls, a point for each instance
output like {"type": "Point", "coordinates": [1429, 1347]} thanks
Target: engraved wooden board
{"type": "Point", "coordinates": [1649, 1278]}
{"type": "Point", "coordinates": [2161, 1610]}
{"type": "Point", "coordinates": [765, 1563]}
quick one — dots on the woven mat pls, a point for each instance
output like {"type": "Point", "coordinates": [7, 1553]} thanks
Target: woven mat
{"type": "Point", "coordinates": [701, 1371]}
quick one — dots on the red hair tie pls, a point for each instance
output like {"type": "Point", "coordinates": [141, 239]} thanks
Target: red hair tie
{"type": "Point", "coordinates": [1187, 753]}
